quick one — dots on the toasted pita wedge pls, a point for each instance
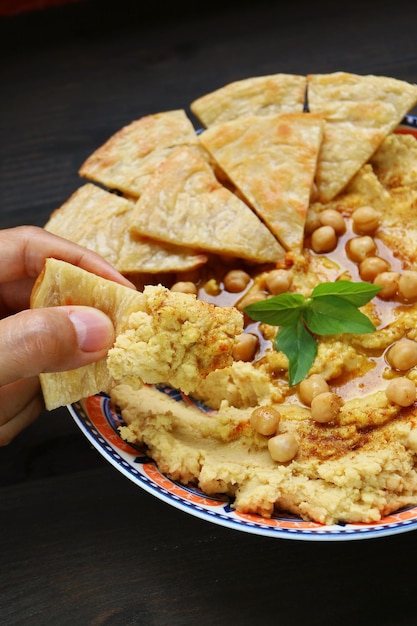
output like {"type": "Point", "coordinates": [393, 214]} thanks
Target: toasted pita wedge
{"type": "Point", "coordinates": [127, 160]}
{"type": "Point", "coordinates": [100, 221]}
{"type": "Point", "coordinates": [184, 204]}
{"type": "Point", "coordinates": [272, 161]}
{"type": "Point", "coordinates": [360, 111]}
{"type": "Point", "coordinates": [260, 95]}
{"type": "Point", "coordinates": [161, 336]}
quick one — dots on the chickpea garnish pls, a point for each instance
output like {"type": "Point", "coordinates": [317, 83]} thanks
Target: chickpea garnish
{"type": "Point", "coordinates": [325, 407]}
{"type": "Point", "coordinates": [323, 239]}
{"type": "Point", "coordinates": [402, 355]}
{"type": "Point", "coordinates": [212, 287]}
{"type": "Point", "coordinates": [358, 248]}
{"type": "Point", "coordinates": [265, 420]}
{"type": "Point", "coordinates": [312, 222]}
{"type": "Point", "coordinates": [236, 281]}
{"type": "Point", "coordinates": [283, 447]}
{"type": "Point", "coordinates": [245, 347]}
{"type": "Point", "coordinates": [278, 281]}
{"type": "Point", "coordinates": [389, 283]}
{"type": "Point", "coordinates": [407, 285]}
{"type": "Point", "coordinates": [370, 267]}
{"type": "Point", "coordinates": [311, 387]}
{"type": "Point", "coordinates": [365, 220]}
{"type": "Point", "coordinates": [331, 217]}
{"type": "Point", "coordinates": [401, 391]}
{"type": "Point", "coordinates": [185, 287]}
{"type": "Point", "coordinates": [250, 298]}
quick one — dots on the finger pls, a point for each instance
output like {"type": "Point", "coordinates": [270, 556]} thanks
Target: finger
{"type": "Point", "coordinates": [25, 248]}
{"type": "Point", "coordinates": [20, 404]}
{"type": "Point", "coordinates": [51, 340]}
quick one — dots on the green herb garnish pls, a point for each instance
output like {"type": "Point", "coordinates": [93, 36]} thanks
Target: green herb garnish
{"type": "Point", "coordinates": [332, 308]}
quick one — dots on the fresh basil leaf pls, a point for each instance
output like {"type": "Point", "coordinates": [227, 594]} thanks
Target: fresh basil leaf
{"type": "Point", "coordinates": [282, 310]}
{"type": "Point", "coordinates": [357, 294]}
{"type": "Point", "coordinates": [331, 309]}
{"type": "Point", "coordinates": [331, 315]}
{"type": "Point", "coordinates": [300, 348]}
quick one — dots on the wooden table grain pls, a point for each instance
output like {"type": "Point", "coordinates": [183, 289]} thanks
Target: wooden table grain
{"type": "Point", "coordinates": [80, 544]}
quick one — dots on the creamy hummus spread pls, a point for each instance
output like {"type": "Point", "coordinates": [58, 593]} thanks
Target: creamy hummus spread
{"type": "Point", "coordinates": [357, 467]}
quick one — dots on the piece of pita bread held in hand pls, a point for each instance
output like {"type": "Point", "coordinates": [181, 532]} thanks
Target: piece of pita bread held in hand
{"type": "Point", "coordinates": [162, 337]}
{"type": "Point", "coordinates": [184, 204]}
{"type": "Point", "coordinates": [272, 161]}
{"type": "Point", "coordinates": [360, 112]}
{"type": "Point", "coordinates": [100, 220]}
{"type": "Point", "coordinates": [259, 95]}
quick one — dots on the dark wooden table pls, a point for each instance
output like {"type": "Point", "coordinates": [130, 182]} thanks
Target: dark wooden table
{"type": "Point", "coordinates": [80, 544]}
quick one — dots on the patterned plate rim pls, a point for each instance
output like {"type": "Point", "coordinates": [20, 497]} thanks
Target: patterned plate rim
{"type": "Point", "coordinates": [98, 420]}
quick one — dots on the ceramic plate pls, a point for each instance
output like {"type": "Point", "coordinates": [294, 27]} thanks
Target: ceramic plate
{"type": "Point", "coordinates": [99, 420]}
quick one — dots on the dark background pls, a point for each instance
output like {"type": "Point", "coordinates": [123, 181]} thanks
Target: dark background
{"type": "Point", "coordinates": [72, 76]}
{"type": "Point", "coordinates": [80, 544]}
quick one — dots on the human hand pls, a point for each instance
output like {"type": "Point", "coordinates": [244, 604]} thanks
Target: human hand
{"type": "Point", "coordinates": [41, 340]}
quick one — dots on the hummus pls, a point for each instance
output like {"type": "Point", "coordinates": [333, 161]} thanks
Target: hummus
{"type": "Point", "coordinates": [357, 467]}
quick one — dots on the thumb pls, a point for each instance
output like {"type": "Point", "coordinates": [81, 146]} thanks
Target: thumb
{"type": "Point", "coordinates": [52, 339]}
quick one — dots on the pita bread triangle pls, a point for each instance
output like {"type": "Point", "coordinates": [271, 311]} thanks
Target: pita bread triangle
{"type": "Point", "coordinates": [100, 221]}
{"type": "Point", "coordinates": [184, 204]}
{"type": "Point", "coordinates": [272, 161]}
{"type": "Point", "coordinates": [129, 157]}
{"type": "Point", "coordinates": [359, 113]}
{"type": "Point", "coordinates": [260, 95]}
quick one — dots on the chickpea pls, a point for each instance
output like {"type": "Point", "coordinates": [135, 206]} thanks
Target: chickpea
{"type": "Point", "coordinates": [236, 281]}
{"type": "Point", "coordinates": [401, 391]}
{"type": "Point", "coordinates": [212, 287]}
{"type": "Point", "coordinates": [185, 287]}
{"type": "Point", "coordinates": [365, 220]}
{"type": "Point", "coordinates": [407, 285]}
{"type": "Point", "coordinates": [245, 347]}
{"type": "Point", "coordinates": [389, 283]}
{"type": "Point", "coordinates": [323, 239]}
{"type": "Point", "coordinates": [370, 267]}
{"type": "Point", "coordinates": [358, 248]}
{"type": "Point", "coordinates": [331, 217]}
{"type": "Point", "coordinates": [402, 355]}
{"type": "Point", "coordinates": [278, 281]}
{"type": "Point", "coordinates": [310, 387]}
{"type": "Point", "coordinates": [283, 447]}
{"type": "Point", "coordinates": [325, 407]}
{"type": "Point", "coordinates": [312, 222]}
{"type": "Point", "coordinates": [265, 420]}
{"type": "Point", "coordinates": [250, 298]}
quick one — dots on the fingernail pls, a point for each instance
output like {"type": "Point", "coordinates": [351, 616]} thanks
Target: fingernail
{"type": "Point", "coordinates": [94, 329]}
